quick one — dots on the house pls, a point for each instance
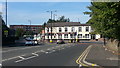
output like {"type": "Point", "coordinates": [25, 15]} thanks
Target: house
{"type": "Point", "coordinates": [69, 31]}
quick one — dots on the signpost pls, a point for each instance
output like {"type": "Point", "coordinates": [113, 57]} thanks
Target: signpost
{"type": "Point", "coordinates": [6, 33]}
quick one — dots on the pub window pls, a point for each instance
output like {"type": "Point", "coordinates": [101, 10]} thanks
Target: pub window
{"type": "Point", "coordinates": [87, 29]}
{"type": "Point", "coordinates": [66, 29]}
{"type": "Point", "coordinates": [80, 29]}
{"type": "Point", "coordinates": [60, 30]}
{"type": "Point", "coordinates": [66, 36]}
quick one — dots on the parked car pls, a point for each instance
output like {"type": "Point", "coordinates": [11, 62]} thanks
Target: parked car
{"type": "Point", "coordinates": [30, 41]}
{"type": "Point", "coordinates": [60, 41]}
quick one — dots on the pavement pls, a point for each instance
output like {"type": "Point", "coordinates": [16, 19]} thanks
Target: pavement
{"type": "Point", "coordinates": [96, 55]}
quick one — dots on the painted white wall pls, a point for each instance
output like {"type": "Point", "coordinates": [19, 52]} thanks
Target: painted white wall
{"type": "Point", "coordinates": [97, 36]}
{"type": "Point", "coordinates": [83, 32]}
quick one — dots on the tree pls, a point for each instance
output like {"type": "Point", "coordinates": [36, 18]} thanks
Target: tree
{"type": "Point", "coordinates": [19, 32]}
{"type": "Point", "coordinates": [105, 18]}
{"type": "Point", "coordinates": [61, 19]}
{"type": "Point", "coordinates": [29, 32]}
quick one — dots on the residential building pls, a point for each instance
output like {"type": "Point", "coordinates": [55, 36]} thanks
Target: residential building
{"type": "Point", "coordinates": [69, 31]}
{"type": "Point", "coordinates": [34, 28]}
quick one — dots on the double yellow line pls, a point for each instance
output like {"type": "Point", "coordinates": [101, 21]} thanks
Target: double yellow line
{"type": "Point", "coordinates": [83, 56]}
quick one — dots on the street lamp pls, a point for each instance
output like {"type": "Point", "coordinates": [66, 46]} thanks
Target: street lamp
{"type": "Point", "coordinates": [30, 25]}
{"type": "Point", "coordinates": [29, 21]}
{"type": "Point", "coordinates": [51, 22]}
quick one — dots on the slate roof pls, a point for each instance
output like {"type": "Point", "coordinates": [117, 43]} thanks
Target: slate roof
{"type": "Point", "coordinates": [62, 24]}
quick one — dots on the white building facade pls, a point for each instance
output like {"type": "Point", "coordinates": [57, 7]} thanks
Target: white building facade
{"type": "Point", "coordinates": [69, 31]}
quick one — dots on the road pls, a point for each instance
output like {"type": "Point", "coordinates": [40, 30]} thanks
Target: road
{"type": "Point", "coordinates": [73, 55]}
{"type": "Point", "coordinates": [44, 55]}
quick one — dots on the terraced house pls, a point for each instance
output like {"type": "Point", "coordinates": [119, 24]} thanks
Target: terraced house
{"type": "Point", "coordinates": [69, 31]}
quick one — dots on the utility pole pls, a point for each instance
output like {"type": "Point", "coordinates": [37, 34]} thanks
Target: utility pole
{"type": "Point", "coordinates": [6, 12]}
{"type": "Point", "coordinates": [54, 16]}
{"type": "Point", "coordinates": [51, 23]}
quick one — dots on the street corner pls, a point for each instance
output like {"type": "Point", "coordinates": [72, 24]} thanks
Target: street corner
{"type": "Point", "coordinates": [81, 61]}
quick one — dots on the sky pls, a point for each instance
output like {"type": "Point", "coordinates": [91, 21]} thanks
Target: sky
{"type": "Point", "coordinates": [19, 13]}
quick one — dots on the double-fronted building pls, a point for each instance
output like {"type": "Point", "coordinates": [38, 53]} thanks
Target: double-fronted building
{"type": "Point", "coordinates": [69, 31]}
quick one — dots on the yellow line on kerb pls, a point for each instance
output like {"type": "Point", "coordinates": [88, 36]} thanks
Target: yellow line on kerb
{"type": "Point", "coordinates": [82, 56]}
{"type": "Point", "coordinates": [86, 56]}
{"type": "Point", "coordinates": [78, 60]}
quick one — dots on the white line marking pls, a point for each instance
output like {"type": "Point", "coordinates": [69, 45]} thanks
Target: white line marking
{"type": "Point", "coordinates": [46, 52]}
{"type": "Point", "coordinates": [21, 57]}
{"type": "Point", "coordinates": [25, 59]}
{"type": "Point", "coordinates": [20, 49]}
{"type": "Point", "coordinates": [80, 66]}
{"type": "Point", "coordinates": [48, 49]}
{"type": "Point", "coordinates": [12, 58]}
{"type": "Point", "coordinates": [42, 51]}
{"type": "Point", "coordinates": [35, 54]}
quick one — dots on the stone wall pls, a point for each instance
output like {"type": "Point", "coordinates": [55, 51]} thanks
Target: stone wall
{"type": "Point", "coordinates": [113, 45]}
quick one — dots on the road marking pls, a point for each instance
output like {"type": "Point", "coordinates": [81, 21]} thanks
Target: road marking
{"type": "Point", "coordinates": [48, 49]}
{"type": "Point", "coordinates": [78, 60]}
{"type": "Point", "coordinates": [46, 52]}
{"type": "Point", "coordinates": [83, 56]}
{"type": "Point", "coordinates": [42, 51]}
{"type": "Point", "coordinates": [11, 58]}
{"type": "Point", "coordinates": [80, 65]}
{"type": "Point", "coordinates": [0, 64]}
{"type": "Point", "coordinates": [20, 49]}
{"type": "Point", "coordinates": [111, 58]}
{"type": "Point", "coordinates": [35, 54]}
{"type": "Point", "coordinates": [37, 51]}
{"type": "Point", "coordinates": [25, 59]}
{"type": "Point", "coordinates": [21, 57]}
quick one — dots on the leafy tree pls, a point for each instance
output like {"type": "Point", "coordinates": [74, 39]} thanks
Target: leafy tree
{"type": "Point", "coordinates": [19, 32]}
{"type": "Point", "coordinates": [105, 18]}
{"type": "Point", "coordinates": [61, 19]}
{"type": "Point", "coordinates": [29, 32]}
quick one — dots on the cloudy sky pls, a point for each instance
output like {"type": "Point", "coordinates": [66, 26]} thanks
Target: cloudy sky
{"type": "Point", "coordinates": [20, 12]}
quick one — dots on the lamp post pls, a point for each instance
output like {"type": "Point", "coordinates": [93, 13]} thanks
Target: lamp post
{"type": "Point", "coordinates": [51, 12]}
{"type": "Point", "coordinates": [30, 23]}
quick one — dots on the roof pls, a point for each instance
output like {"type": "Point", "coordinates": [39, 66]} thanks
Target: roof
{"type": "Point", "coordinates": [61, 24]}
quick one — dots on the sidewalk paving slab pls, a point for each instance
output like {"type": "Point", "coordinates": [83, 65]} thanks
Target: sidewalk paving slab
{"type": "Point", "coordinates": [102, 57]}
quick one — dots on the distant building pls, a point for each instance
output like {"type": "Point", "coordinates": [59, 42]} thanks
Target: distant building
{"type": "Point", "coordinates": [69, 31]}
{"type": "Point", "coordinates": [34, 28]}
